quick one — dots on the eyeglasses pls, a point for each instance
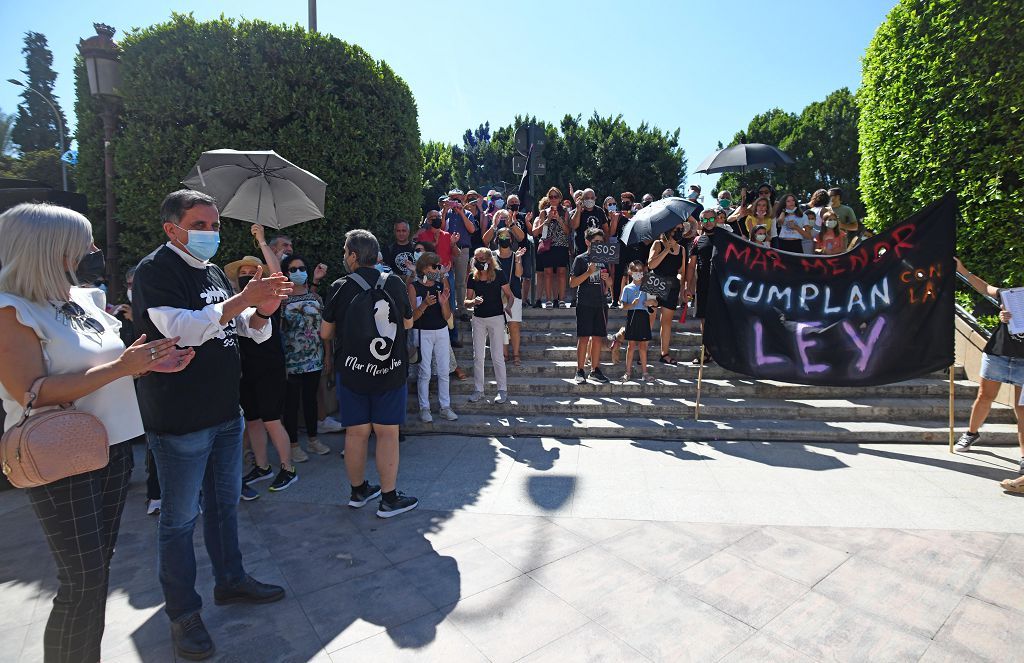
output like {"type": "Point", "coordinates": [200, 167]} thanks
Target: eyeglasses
{"type": "Point", "coordinates": [76, 316]}
{"type": "Point", "coordinates": [292, 270]}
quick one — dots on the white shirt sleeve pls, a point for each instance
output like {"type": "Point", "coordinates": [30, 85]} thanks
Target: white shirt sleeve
{"type": "Point", "coordinates": [198, 327]}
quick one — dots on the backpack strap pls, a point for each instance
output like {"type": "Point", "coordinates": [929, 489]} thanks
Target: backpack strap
{"type": "Point", "coordinates": [381, 280]}
{"type": "Point", "coordinates": [359, 280]}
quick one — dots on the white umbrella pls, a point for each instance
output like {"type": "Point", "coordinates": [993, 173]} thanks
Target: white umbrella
{"type": "Point", "coordinates": [259, 187]}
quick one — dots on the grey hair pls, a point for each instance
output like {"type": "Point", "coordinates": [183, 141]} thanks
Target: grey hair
{"type": "Point", "coordinates": [40, 248]}
{"type": "Point", "coordinates": [277, 240]}
{"type": "Point", "coordinates": [178, 202]}
{"type": "Point", "coordinates": [402, 222]}
{"type": "Point", "coordinates": [590, 191]}
{"type": "Point", "coordinates": [364, 245]}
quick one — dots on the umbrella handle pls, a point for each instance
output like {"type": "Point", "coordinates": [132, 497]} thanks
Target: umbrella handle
{"type": "Point", "coordinates": [202, 180]}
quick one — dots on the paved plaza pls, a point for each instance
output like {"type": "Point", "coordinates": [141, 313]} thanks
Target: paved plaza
{"type": "Point", "coordinates": [540, 549]}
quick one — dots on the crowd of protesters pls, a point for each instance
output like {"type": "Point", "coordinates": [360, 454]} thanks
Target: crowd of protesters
{"type": "Point", "coordinates": [209, 364]}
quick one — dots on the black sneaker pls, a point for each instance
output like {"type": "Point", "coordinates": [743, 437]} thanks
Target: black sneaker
{"type": "Point", "coordinates": [258, 473]}
{"type": "Point", "coordinates": [597, 376]}
{"type": "Point", "coordinates": [456, 344]}
{"type": "Point", "coordinates": [283, 479]}
{"type": "Point", "coordinates": [556, 304]}
{"type": "Point", "coordinates": [538, 304]}
{"type": "Point", "coordinates": [400, 504]}
{"type": "Point", "coordinates": [581, 377]}
{"type": "Point", "coordinates": [363, 494]}
{"type": "Point", "coordinates": [966, 440]}
{"type": "Point", "coordinates": [249, 590]}
{"type": "Point", "coordinates": [191, 639]}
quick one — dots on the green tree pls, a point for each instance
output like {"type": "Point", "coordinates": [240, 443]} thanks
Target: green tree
{"type": "Point", "coordinates": [325, 105]}
{"type": "Point", "coordinates": [822, 140]}
{"type": "Point", "coordinates": [40, 165]}
{"type": "Point", "coordinates": [942, 106]}
{"type": "Point", "coordinates": [36, 127]}
{"type": "Point", "coordinates": [603, 153]}
{"type": "Point", "coordinates": [6, 127]}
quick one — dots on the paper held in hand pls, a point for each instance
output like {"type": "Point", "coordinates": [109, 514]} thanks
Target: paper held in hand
{"type": "Point", "coordinates": [1013, 301]}
{"type": "Point", "coordinates": [606, 253]}
{"type": "Point", "coordinates": [656, 285]}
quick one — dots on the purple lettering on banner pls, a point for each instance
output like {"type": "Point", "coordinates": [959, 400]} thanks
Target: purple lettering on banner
{"type": "Point", "coordinates": [803, 343]}
{"type": "Point", "coordinates": [759, 355]}
{"type": "Point", "coordinates": [866, 348]}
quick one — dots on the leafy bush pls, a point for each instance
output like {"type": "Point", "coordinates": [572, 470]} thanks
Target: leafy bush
{"type": "Point", "coordinates": [325, 105]}
{"type": "Point", "coordinates": [942, 108]}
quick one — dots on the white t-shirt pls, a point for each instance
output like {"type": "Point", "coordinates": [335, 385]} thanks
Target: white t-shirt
{"type": "Point", "coordinates": [72, 347]}
{"type": "Point", "coordinates": [789, 233]}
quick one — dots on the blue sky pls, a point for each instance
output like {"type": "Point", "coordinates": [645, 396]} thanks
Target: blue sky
{"type": "Point", "coordinates": [679, 64]}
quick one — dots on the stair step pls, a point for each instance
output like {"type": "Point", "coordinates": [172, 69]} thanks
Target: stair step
{"type": "Point", "coordinates": [720, 387]}
{"type": "Point", "coordinates": [530, 352]}
{"type": "Point", "coordinates": [680, 408]}
{"type": "Point", "coordinates": [567, 368]}
{"type": "Point", "coordinates": [706, 429]}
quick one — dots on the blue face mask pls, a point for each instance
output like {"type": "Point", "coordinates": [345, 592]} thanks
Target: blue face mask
{"type": "Point", "coordinates": [416, 256]}
{"type": "Point", "coordinates": [202, 244]}
{"type": "Point", "coordinates": [298, 278]}
{"type": "Point", "coordinates": [380, 267]}
{"type": "Point", "coordinates": [499, 203]}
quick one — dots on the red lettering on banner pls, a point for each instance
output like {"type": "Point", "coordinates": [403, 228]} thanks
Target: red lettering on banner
{"type": "Point", "coordinates": [901, 235]}
{"type": "Point", "coordinates": [814, 265]}
{"type": "Point", "coordinates": [859, 259]}
{"type": "Point", "coordinates": [731, 252]}
{"type": "Point", "coordinates": [759, 259]}
{"type": "Point", "coordinates": [834, 264]}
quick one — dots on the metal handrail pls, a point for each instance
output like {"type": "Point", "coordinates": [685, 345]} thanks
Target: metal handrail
{"type": "Point", "coordinates": [971, 321]}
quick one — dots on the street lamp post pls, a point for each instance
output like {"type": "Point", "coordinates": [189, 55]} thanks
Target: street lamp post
{"type": "Point", "coordinates": [103, 66]}
{"type": "Point", "coordinates": [60, 127]}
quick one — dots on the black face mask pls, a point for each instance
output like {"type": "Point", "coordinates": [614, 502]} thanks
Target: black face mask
{"type": "Point", "coordinates": [677, 235]}
{"type": "Point", "coordinates": [436, 222]}
{"type": "Point", "coordinates": [243, 281]}
{"type": "Point", "coordinates": [504, 243]}
{"type": "Point", "coordinates": [91, 268]}
{"type": "Point", "coordinates": [480, 266]}
{"type": "Point", "coordinates": [513, 208]}
{"type": "Point", "coordinates": [625, 205]}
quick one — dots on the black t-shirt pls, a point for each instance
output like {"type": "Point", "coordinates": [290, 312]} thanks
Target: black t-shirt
{"type": "Point", "coordinates": [269, 351]}
{"type": "Point", "coordinates": [433, 317]}
{"type": "Point", "coordinates": [591, 291]}
{"type": "Point", "coordinates": [491, 292]}
{"type": "Point", "coordinates": [508, 266]}
{"type": "Point", "coordinates": [344, 290]}
{"type": "Point", "coordinates": [589, 218]}
{"type": "Point", "coordinates": [703, 248]}
{"type": "Point", "coordinates": [399, 258]}
{"type": "Point", "coordinates": [206, 393]}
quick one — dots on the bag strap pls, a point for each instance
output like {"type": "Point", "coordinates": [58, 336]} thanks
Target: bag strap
{"type": "Point", "coordinates": [381, 280]}
{"type": "Point", "coordinates": [359, 280]}
{"type": "Point", "coordinates": [33, 392]}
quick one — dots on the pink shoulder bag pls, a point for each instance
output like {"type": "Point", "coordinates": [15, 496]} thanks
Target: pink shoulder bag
{"type": "Point", "coordinates": [52, 445]}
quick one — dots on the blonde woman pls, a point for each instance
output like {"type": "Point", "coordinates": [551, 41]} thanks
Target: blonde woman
{"type": "Point", "coordinates": [49, 327]}
{"type": "Point", "coordinates": [487, 283]}
{"type": "Point", "coordinates": [428, 297]}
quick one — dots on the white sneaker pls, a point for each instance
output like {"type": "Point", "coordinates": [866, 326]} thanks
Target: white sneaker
{"type": "Point", "coordinates": [449, 414]}
{"type": "Point", "coordinates": [425, 416]}
{"type": "Point", "coordinates": [317, 447]}
{"type": "Point", "coordinates": [152, 507]}
{"type": "Point", "coordinates": [298, 455]}
{"type": "Point", "coordinates": [329, 425]}
{"type": "Point", "coordinates": [502, 397]}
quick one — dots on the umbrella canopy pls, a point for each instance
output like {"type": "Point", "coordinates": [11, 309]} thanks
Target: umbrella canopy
{"type": "Point", "coordinates": [745, 156]}
{"type": "Point", "coordinates": [658, 217]}
{"type": "Point", "coordinates": [258, 187]}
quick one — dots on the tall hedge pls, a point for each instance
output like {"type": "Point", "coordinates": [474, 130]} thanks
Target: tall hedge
{"type": "Point", "coordinates": [942, 108]}
{"type": "Point", "coordinates": [321, 103]}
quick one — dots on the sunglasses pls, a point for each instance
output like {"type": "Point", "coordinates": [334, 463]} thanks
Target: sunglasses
{"type": "Point", "coordinates": [292, 270]}
{"type": "Point", "coordinates": [78, 317]}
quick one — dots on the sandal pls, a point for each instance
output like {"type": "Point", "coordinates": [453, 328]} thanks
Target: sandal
{"type": "Point", "coordinates": [667, 359]}
{"type": "Point", "coordinates": [516, 361]}
{"type": "Point", "coordinates": [460, 375]}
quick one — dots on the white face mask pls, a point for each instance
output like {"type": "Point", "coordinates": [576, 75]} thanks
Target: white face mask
{"type": "Point", "coordinates": [637, 276]}
{"type": "Point", "coordinates": [129, 296]}
{"type": "Point", "coordinates": [588, 203]}
{"type": "Point", "coordinates": [831, 223]}
{"type": "Point", "coordinates": [790, 210]}
{"type": "Point", "coordinates": [760, 238]}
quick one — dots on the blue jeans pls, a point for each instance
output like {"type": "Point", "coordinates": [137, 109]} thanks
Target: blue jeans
{"type": "Point", "coordinates": [207, 462]}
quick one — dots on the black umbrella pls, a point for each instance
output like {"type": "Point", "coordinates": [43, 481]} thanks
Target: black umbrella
{"type": "Point", "coordinates": [658, 217]}
{"type": "Point", "coordinates": [745, 156]}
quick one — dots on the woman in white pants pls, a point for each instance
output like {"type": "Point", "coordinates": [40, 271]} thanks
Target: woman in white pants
{"type": "Point", "coordinates": [487, 283]}
{"type": "Point", "coordinates": [428, 296]}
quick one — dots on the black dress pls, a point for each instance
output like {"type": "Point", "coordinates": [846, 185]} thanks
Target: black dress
{"type": "Point", "coordinates": [669, 268]}
{"type": "Point", "coordinates": [703, 247]}
{"type": "Point", "coordinates": [638, 324]}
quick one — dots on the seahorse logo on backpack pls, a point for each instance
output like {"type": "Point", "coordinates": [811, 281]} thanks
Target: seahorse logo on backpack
{"type": "Point", "coordinates": [382, 346]}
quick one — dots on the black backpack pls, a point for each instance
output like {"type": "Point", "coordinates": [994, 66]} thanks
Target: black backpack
{"type": "Point", "coordinates": [370, 360]}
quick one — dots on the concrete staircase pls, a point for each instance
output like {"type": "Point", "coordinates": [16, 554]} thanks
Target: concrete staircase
{"type": "Point", "coordinates": [544, 400]}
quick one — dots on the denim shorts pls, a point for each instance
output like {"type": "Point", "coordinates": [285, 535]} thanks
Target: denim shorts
{"type": "Point", "coordinates": [385, 409]}
{"type": "Point", "coordinates": [1009, 370]}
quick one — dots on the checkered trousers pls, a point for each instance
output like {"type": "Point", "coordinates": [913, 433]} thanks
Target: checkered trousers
{"type": "Point", "coordinates": [80, 516]}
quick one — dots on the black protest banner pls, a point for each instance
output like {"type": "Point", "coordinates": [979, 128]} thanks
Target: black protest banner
{"type": "Point", "coordinates": [608, 254]}
{"type": "Point", "coordinates": [880, 313]}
